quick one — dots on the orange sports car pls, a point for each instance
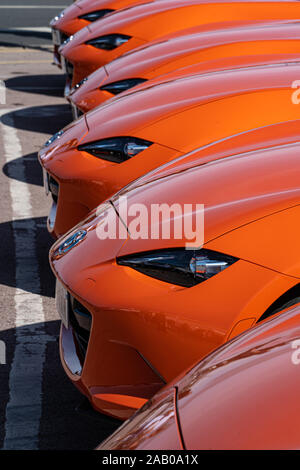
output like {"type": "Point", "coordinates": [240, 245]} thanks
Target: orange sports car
{"type": "Point", "coordinates": [141, 302]}
{"type": "Point", "coordinates": [122, 31]}
{"type": "Point", "coordinates": [79, 15]}
{"type": "Point", "coordinates": [118, 142]}
{"type": "Point", "coordinates": [243, 396]}
{"type": "Point", "coordinates": [215, 50]}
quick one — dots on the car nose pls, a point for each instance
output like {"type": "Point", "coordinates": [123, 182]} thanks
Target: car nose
{"type": "Point", "coordinates": [92, 251]}
{"type": "Point", "coordinates": [68, 138]}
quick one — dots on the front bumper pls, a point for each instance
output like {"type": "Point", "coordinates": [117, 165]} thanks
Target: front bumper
{"type": "Point", "coordinates": [116, 397]}
{"type": "Point", "coordinates": [68, 69]}
{"type": "Point", "coordinates": [51, 187]}
{"type": "Point", "coordinates": [65, 211]}
{"type": "Point", "coordinates": [89, 94]}
{"type": "Point", "coordinates": [145, 333]}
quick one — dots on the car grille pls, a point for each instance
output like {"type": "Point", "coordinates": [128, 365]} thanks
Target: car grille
{"type": "Point", "coordinates": [69, 70]}
{"type": "Point", "coordinates": [59, 37]}
{"type": "Point", "coordinates": [81, 321]}
{"type": "Point", "coordinates": [64, 37]}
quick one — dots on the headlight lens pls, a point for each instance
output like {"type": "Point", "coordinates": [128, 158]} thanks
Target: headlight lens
{"type": "Point", "coordinates": [79, 84]}
{"type": "Point", "coordinates": [53, 138]}
{"type": "Point", "coordinates": [123, 85]}
{"type": "Point", "coordinates": [109, 42]}
{"type": "Point", "coordinates": [66, 41]}
{"type": "Point", "coordinates": [95, 15]}
{"type": "Point", "coordinates": [59, 16]}
{"type": "Point", "coordinates": [178, 266]}
{"type": "Point", "coordinates": [117, 149]}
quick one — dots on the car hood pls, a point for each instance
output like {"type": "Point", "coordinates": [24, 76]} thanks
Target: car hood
{"type": "Point", "coordinates": [82, 7]}
{"type": "Point", "coordinates": [87, 5]}
{"type": "Point", "coordinates": [245, 395]}
{"type": "Point", "coordinates": [156, 19]}
{"type": "Point", "coordinates": [70, 138]}
{"type": "Point", "coordinates": [70, 13]}
{"type": "Point", "coordinates": [235, 191]}
{"type": "Point", "coordinates": [157, 53]}
{"type": "Point", "coordinates": [152, 113]}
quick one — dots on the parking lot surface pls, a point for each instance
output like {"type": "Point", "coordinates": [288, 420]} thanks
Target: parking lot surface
{"type": "Point", "coordinates": [39, 408]}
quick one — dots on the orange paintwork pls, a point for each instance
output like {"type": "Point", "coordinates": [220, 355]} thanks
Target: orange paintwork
{"type": "Point", "coordinates": [85, 180]}
{"type": "Point", "coordinates": [154, 20]}
{"type": "Point", "coordinates": [153, 427]}
{"type": "Point", "coordinates": [153, 330]}
{"type": "Point", "coordinates": [206, 52]}
{"type": "Point", "coordinates": [69, 21]}
{"type": "Point", "coordinates": [243, 396]}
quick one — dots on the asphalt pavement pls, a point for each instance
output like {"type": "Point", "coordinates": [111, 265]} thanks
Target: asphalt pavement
{"type": "Point", "coordinates": [26, 23]}
{"type": "Point", "coordinates": [39, 408]}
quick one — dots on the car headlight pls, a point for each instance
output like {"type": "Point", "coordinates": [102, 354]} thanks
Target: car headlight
{"type": "Point", "coordinates": [79, 84]}
{"type": "Point", "coordinates": [53, 138]}
{"type": "Point", "coordinates": [59, 16]}
{"type": "Point", "coordinates": [66, 41]}
{"type": "Point", "coordinates": [117, 87]}
{"type": "Point", "coordinates": [117, 150]}
{"type": "Point", "coordinates": [109, 42]}
{"type": "Point", "coordinates": [95, 15]}
{"type": "Point", "coordinates": [178, 266]}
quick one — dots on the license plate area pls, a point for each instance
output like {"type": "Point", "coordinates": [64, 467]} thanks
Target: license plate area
{"type": "Point", "coordinates": [62, 303]}
{"type": "Point", "coordinates": [56, 37]}
{"type": "Point", "coordinates": [63, 64]}
{"type": "Point", "coordinates": [46, 182]}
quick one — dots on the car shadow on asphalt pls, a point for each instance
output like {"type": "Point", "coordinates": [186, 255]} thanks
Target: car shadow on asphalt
{"type": "Point", "coordinates": [50, 84]}
{"type": "Point", "coordinates": [65, 424]}
{"type": "Point", "coordinates": [46, 285]}
{"type": "Point", "coordinates": [27, 33]}
{"type": "Point", "coordinates": [44, 119]}
{"type": "Point", "coordinates": [26, 38]}
{"type": "Point", "coordinates": [33, 171]}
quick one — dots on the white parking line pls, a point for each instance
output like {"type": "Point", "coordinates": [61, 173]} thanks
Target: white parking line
{"type": "Point", "coordinates": [18, 29]}
{"type": "Point", "coordinates": [2, 92]}
{"type": "Point", "coordinates": [23, 411]}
